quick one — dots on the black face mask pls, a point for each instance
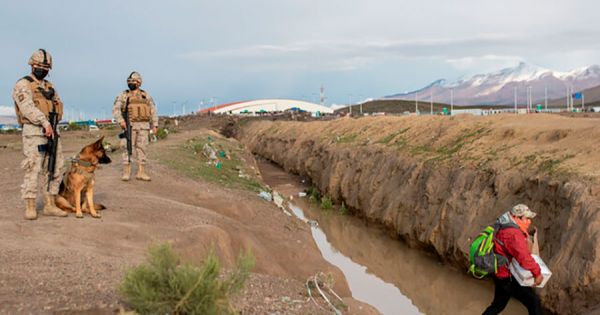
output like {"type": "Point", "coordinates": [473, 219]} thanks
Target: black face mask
{"type": "Point", "coordinates": [132, 86]}
{"type": "Point", "coordinates": [40, 73]}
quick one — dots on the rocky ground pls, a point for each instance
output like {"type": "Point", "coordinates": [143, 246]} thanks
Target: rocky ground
{"type": "Point", "coordinates": [74, 266]}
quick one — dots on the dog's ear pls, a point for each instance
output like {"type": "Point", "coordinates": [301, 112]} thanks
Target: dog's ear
{"type": "Point", "coordinates": [98, 143]}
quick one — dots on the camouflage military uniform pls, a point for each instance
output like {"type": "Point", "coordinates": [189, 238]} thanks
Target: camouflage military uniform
{"type": "Point", "coordinates": [33, 117]}
{"type": "Point", "coordinates": [140, 130]}
{"type": "Point", "coordinates": [140, 126]}
{"type": "Point", "coordinates": [33, 140]}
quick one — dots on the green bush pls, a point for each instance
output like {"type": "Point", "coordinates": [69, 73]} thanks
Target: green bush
{"type": "Point", "coordinates": [313, 194]}
{"type": "Point", "coordinates": [343, 209]}
{"type": "Point", "coordinates": [73, 126]}
{"type": "Point", "coordinates": [165, 285]}
{"type": "Point", "coordinates": [162, 133]}
{"type": "Point", "coordinates": [326, 203]}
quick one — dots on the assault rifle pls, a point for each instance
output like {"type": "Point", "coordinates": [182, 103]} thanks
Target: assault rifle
{"type": "Point", "coordinates": [126, 134]}
{"type": "Point", "coordinates": [52, 145]}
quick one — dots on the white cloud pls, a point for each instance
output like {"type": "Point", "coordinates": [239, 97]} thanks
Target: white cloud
{"type": "Point", "coordinates": [7, 111]}
{"type": "Point", "coordinates": [485, 63]}
{"type": "Point", "coordinates": [341, 54]}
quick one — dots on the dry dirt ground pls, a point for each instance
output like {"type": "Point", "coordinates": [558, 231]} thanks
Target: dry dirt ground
{"type": "Point", "coordinates": [74, 266]}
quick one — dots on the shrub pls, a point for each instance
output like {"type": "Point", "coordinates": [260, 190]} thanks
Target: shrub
{"type": "Point", "coordinates": [313, 194]}
{"type": "Point", "coordinates": [343, 209]}
{"type": "Point", "coordinates": [73, 126]}
{"type": "Point", "coordinates": [162, 133]}
{"type": "Point", "coordinates": [165, 285]}
{"type": "Point", "coordinates": [326, 203]}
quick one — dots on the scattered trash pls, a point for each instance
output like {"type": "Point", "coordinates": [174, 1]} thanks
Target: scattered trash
{"type": "Point", "coordinates": [277, 199]}
{"type": "Point", "coordinates": [266, 196]}
{"type": "Point", "coordinates": [209, 152]}
{"type": "Point", "coordinates": [323, 283]}
{"type": "Point", "coordinates": [301, 194]}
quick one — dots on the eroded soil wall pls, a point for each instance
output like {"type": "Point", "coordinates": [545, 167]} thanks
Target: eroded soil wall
{"type": "Point", "coordinates": [436, 181]}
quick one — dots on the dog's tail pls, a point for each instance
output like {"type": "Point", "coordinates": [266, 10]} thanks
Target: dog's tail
{"type": "Point", "coordinates": [99, 206]}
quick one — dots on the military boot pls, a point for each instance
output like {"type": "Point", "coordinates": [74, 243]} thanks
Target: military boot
{"type": "Point", "coordinates": [50, 208]}
{"type": "Point", "coordinates": [141, 175]}
{"type": "Point", "coordinates": [126, 172]}
{"type": "Point", "coordinates": [30, 213]}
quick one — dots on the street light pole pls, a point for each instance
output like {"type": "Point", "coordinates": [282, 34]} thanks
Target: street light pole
{"type": "Point", "coordinates": [350, 103]}
{"type": "Point", "coordinates": [546, 98]}
{"type": "Point", "coordinates": [515, 100]}
{"type": "Point", "coordinates": [451, 101]}
{"type": "Point", "coordinates": [431, 100]}
{"type": "Point", "coordinates": [416, 103]}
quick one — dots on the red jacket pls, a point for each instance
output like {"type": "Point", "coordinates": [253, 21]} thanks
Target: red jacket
{"type": "Point", "coordinates": [515, 246]}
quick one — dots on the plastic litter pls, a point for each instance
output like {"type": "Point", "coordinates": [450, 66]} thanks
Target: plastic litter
{"type": "Point", "coordinates": [266, 196]}
{"type": "Point", "coordinates": [301, 194]}
{"type": "Point", "coordinates": [209, 152]}
{"type": "Point", "coordinates": [278, 199]}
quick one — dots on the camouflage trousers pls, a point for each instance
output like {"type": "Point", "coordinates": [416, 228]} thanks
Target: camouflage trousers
{"type": "Point", "coordinates": [36, 164]}
{"type": "Point", "coordinates": [139, 145]}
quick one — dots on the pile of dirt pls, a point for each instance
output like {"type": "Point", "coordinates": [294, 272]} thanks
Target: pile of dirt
{"type": "Point", "coordinates": [436, 181]}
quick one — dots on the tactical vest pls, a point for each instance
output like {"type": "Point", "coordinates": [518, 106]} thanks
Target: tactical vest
{"type": "Point", "coordinates": [138, 105]}
{"type": "Point", "coordinates": [42, 100]}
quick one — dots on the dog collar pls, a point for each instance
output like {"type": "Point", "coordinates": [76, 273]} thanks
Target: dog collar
{"type": "Point", "coordinates": [82, 162]}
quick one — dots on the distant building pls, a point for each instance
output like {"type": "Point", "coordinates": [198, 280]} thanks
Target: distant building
{"type": "Point", "coordinates": [260, 107]}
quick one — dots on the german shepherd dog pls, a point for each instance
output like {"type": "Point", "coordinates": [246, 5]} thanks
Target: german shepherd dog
{"type": "Point", "coordinates": [76, 192]}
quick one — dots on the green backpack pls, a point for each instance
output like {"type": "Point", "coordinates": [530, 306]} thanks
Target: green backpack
{"type": "Point", "coordinates": [482, 259]}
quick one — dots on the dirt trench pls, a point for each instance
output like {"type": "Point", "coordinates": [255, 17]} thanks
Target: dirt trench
{"type": "Point", "coordinates": [436, 181]}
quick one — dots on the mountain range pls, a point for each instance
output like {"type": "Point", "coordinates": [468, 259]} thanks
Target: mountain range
{"type": "Point", "coordinates": [498, 88]}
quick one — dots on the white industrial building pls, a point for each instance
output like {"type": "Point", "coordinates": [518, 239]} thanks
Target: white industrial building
{"type": "Point", "coordinates": [257, 107]}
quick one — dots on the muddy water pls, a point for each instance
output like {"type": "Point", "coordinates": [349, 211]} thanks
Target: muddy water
{"type": "Point", "coordinates": [381, 270]}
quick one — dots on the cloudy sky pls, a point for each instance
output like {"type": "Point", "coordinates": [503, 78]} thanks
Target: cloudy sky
{"type": "Point", "coordinates": [192, 53]}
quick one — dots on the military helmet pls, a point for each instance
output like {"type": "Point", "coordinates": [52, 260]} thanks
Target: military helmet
{"type": "Point", "coordinates": [41, 59]}
{"type": "Point", "coordinates": [135, 77]}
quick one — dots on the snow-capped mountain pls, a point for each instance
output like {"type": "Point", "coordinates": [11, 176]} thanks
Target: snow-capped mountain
{"type": "Point", "coordinates": [499, 87]}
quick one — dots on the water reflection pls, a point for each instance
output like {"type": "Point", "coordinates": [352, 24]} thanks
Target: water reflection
{"type": "Point", "coordinates": [383, 271]}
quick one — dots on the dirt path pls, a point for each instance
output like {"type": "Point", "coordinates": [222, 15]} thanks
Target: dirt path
{"type": "Point", "coordinates": [59, 265]}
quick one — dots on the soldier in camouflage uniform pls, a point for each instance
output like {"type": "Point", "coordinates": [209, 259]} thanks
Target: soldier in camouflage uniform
{"type": "Point", "coordinates": [142, 117]}
{"type": "Point", "coordinates": [34, 99]}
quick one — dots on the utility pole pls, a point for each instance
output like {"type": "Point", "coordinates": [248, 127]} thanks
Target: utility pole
{"type": "Point", "coordinates": [416, 103]}
{"type": "Point", "coordinates": [431, 100]}
{"type": "Point", "coordinates": [529, 101]}
{"type": "Point", "coordinates": [350, 103]}
{"type": "Point", "coordinates": [546, 98]}
{"type": "Point", "coordinates": [570, 99]}
{"type": "Point", "coordinates": [451, 101]}
{"type": "Point", "coordinates": [515, 100]}
{"type": "Point", "coordinates": [582, 102]}
{"type": "Point", "coordinates": [322, 95]}
{"type": "Point", "coordinates": [361, 102]}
